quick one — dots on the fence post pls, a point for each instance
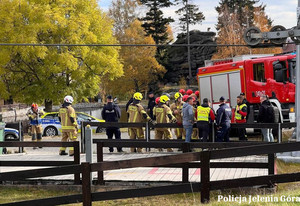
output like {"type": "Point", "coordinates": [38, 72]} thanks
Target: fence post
{"type": "Point", "coordinates": [86, 184]}
{"type": "Point", "coordinates": [147, 131]}
{"type": "Point", "coordinates": [185, 167]}
{"type": "Point", "coordinates": [271, 166]}
{"type": "Point", "coordinates": [100, 159]}
{"type": "Point", "coordinates": [82, 138]}
{"type": "Point", "coordinates": [279, 140]}
{"type": "Point", "coordinates": [76, 161]}
{"type": "Point", "coordinates": [205, 176]}
{"type": "Point", "coordinates": [88, 144]}
{"type": "Point", "coordinates": [21, 149]}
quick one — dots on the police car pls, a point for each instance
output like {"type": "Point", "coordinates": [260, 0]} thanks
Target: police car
{"type": "Point", "coordinates": [11, 134]}
{"type": "Point", "coordinates": [52, 127]}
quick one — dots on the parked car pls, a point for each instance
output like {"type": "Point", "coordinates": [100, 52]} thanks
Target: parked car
{"type": "Point", "coordinates": [52, 127]}
{"type": "Point", "coordinates": [11, 134]}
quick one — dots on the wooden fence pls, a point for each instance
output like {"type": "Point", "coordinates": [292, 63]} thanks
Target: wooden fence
{"type": "Point", "coordinates": [205, 185]}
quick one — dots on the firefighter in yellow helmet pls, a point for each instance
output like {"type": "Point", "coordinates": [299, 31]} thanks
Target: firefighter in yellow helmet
{"type": "Point", "coordinates": [163, 114]}
{"type": "Point", "coordinates": [176, 109]}
{"type": "Point", "coordinates": [67, 118]}
{"type": "Point", "coordinates": [34, 114]}
{"type": "Point", "coordinates": [137, 114]}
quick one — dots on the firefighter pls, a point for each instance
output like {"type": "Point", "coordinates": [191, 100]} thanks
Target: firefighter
{"type": "Point", "coordinates": [240, 116]}
{"type": "Point", "coordinates": [176, 109]}
{"type": "Point", "coordinates": [223, 121]}
{"type": "Point", "coordinates": [34, 114]}
{"type": "Point", "coordinates": [203, 114]}
{"type": "Point", "coordinates": [69, 127]}
{"type": "Point", "coordinates": [182, 91]}
{"type": "Point", "coordinates": [189, 92]}
{"type": "Point", "coordinates": [163, 114]}
{"type": "Point", "coordinates": [137, 114]}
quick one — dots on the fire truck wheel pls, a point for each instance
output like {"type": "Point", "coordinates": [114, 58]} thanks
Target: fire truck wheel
{"type": "Point", "coordinates": [247, 36]}
{"type": "Point", "coordinates": [279, 40]}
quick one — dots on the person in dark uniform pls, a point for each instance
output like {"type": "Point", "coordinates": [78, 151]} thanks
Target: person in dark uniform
{"type": "Point", "coordinates": [151, 104]}
{"type": "Point", "coordinates": [112, 113]}
{"type": "Point", "coordinates": [223, 121]}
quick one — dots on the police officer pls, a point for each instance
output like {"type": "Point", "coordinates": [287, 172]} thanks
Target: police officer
{"type": "Point", "coordinates": [67, 118]}
{"type": "Point", "coordinates": [112, 113]}
{"type": "Point", "coordinates": [223, 121]}
{"type": "Point", "coordinates": [176, 109]}
{"type": "Point", "coordinates": [34, 114]}
{"type": "Point", "coordinates": [240, 115]}
{"type": "Point", "coordinates": [203, 114]}
{"type": "Point", "coordinates": [163, 114]}
{"type": "Point", "coordinates": [137, 114]}
{"type": "Point", "coordinates": [245, 101]}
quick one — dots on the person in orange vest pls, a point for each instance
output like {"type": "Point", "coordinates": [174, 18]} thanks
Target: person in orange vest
{"type": "Point", "coordinates": [69, 126]}
{"type": "Point", "coordinates": [176, 109]}
{"type": "Point", "coordinates": [137, 114]}
{"type": "Point", "coordinates": [240, 116]}
{"type": "Point", "coordinates": [163, 114]}
{"type": "Point", "coordinates": [204, 112]}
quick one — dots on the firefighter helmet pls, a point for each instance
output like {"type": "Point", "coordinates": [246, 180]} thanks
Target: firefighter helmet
{"type": "Point", "coordinates": [164, 99]}
{"type": "Point", "coordinates": [177, 95]}
{"type": "Point", "coordinates": [157, 100]}
{"type": "Point", "coordinates": [138, 96]}
{"type": "Point", "coordinates": [197, 93]}
{"type": "Point", "coordinates": [189, 92]}
{"type": "Point", "coordinates": [182, 91]}
{"type": "Point", "coordinates": [185, 97]}
{"type": "Point", "coordinates": [69, 99]}
{"type": "Point", "coordinates": [34, 105]}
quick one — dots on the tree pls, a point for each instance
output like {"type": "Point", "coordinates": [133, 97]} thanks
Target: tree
{"type": "Point", "coordinates": [156, 25]}
{"type": "Point", "coordinates": [32, 74]}
{"type": "Point", "coordinates": [189, 13]}
{"type": "Point", "coordinates": [231, 26]}
{"type": "Point", "coordinates": [123, 13]}
{"type": "Point", "coordinates": [140, 65]}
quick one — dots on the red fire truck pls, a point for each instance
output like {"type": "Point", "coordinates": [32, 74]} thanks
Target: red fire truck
{"type": "Point", "coordinates": [272, 75]}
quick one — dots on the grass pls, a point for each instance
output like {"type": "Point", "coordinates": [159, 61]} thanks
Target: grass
{"type": "Point", "coordinates": [19, 193]}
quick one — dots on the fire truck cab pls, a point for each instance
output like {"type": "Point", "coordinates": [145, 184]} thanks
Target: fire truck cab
{"type": "Point", "coordinates": [272, 75]}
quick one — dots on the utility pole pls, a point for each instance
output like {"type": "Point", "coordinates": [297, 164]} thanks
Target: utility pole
{"type": "Point", "coordinates": [188, 42]}
{"type": "Point", "coordinates": [298, 78]}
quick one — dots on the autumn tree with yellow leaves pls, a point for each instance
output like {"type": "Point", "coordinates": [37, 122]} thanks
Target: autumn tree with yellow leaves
{"type": "Point", "coordinates": [140, 64]}
{"type": "Point", "coordinates": [37, 73]}
{"type": "Point", "coordinates": [234, 17]}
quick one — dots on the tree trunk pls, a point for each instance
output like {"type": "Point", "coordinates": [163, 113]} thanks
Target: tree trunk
{"type": "Point", "coordinates": [48, 105]}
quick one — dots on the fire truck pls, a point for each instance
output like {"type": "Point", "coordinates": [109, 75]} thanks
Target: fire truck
{"type": "Point", "coordinates": [256, 76]}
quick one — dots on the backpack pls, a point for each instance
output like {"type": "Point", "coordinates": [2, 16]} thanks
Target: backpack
{"type": "Point", "coordinates": [270, 116]}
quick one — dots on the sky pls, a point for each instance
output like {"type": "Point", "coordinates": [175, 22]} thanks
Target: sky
{"type": "Point", "coordinates": [282, 12]}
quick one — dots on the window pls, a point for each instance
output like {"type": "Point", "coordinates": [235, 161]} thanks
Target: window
{"type": "Point", "coordinates": [51, 116]}
{"type": "Point", "coordinates": [259, 72]}
{"type": "Point", "coordinates": [83, 117]}
{"type": "Point", "coordinates": [280, 71]}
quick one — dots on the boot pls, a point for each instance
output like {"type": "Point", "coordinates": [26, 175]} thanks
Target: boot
{"type": "Point", "coordinates": [39, 138]}
{"type": "Point", "coordinates": [62, 152]}
{"type": "Point", "coordinates": [71, 152]}
{"type": "Point", "coordinates": [34, 139]}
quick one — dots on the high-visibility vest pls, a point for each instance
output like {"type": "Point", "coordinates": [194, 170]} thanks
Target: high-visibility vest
{"type": "Point", "coordinates": [238, 116]}
{"type": "Point", "coordinates": [203, 113]}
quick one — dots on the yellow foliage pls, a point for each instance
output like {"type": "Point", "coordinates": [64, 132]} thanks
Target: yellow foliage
{"type": "Point", "coordinates": [32, 74]}
{"type": "Point", "coordinates": [140, 65]}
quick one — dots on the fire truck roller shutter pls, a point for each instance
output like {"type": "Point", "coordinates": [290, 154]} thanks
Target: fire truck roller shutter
{"type": "Point", "coordinates": [205, 88]}
{"type": "Point", "coordinates": [234, 86]}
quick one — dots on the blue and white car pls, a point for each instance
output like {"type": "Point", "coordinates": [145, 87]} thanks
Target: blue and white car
{"type": "Point", "coordinates": [52, 127]}
{"type": "Point", "coordinates": [11, 134]}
